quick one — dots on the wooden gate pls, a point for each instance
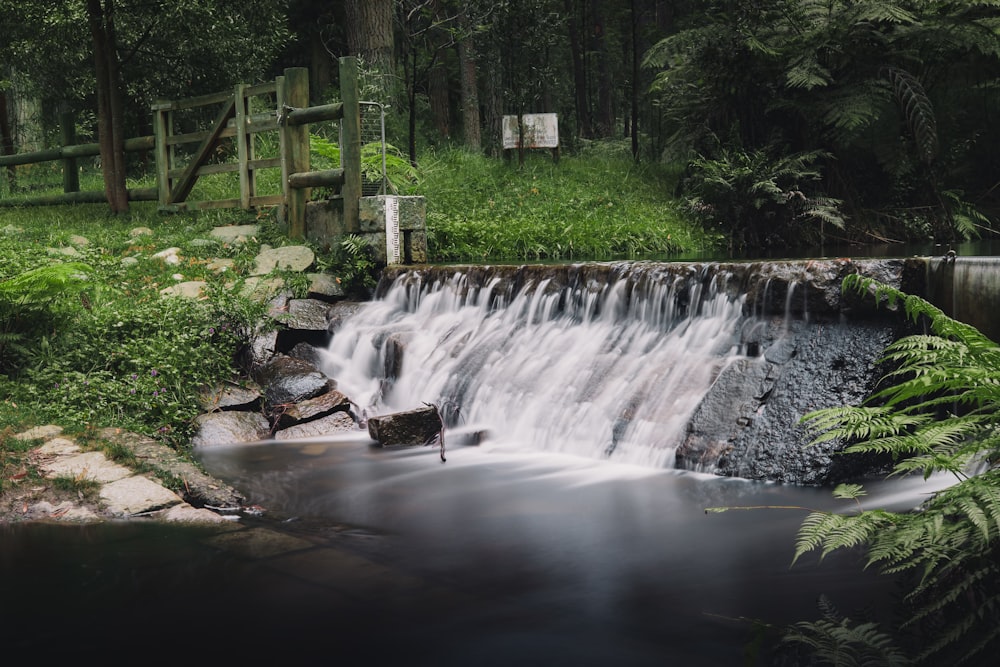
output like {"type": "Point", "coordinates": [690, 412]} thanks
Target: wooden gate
{"type": "Point", "coordinates": [279, 108]}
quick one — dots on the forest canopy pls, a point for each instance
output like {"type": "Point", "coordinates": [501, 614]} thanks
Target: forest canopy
{"type": "Point", "coordinates": [791, 121]}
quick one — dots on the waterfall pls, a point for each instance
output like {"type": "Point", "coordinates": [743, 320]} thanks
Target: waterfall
{"type": "Point", "coordinates": [610, 368]}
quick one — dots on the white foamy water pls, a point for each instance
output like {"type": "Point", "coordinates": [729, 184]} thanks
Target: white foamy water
{"type": "Point", "coordinates": [603, 371]}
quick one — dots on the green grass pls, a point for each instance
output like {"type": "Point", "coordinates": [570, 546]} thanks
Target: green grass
{"type": "Point", "coordinates": [583, 208]}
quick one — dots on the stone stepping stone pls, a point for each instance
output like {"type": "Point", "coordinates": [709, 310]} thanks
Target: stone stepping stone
{"type": "Point", "coordinates": [137, 495]}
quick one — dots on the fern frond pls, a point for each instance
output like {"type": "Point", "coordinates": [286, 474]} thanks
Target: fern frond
{"type": "Point", "coordinates": [917, 110]}
{"type": "Point", "coordinates": [855, 107]}
{"type": "Point", "coordinates": [839, 641]}
{"type": "Point", "coordinates": [46, 283]}
{"type": "Point", "coordinates": [807, 73]}
{"type": "Point", "coordinates": [859, 423]}
{"type": "Point", "coordinates": [837, 531]}
{"type": "Point", "coordinates": [882, 12]}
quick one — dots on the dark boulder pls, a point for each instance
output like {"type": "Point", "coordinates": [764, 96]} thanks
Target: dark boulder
{"type": "Point", "coordinates": [286, 379]}
{"type": "Point", "coordinates": [414, 427]}
{"type": "Point", "coordinates": [313, 408]}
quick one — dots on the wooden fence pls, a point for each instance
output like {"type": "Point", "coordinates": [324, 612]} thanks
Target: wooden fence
{"type": "Point", "coordinates": [287, 116]}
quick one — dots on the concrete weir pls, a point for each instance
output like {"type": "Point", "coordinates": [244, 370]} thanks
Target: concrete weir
{"type": "Point", "coordinates": [798, 343]}
{"type": "Point", "coordinates": [707, 367]}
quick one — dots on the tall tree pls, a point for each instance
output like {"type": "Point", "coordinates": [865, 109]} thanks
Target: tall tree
{"type": "Point", "coordinates": [110, 102]}
{"type": "Point", "coordinates": [370, 38]}
{"type": "Point", "coordinates": [468, 68]}
{"type": "Point", "coordinates": [599, 46]}
{"type": "Point", "coordinates": [584, 127]}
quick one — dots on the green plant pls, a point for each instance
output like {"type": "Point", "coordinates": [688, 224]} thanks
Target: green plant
{"type": "Point", "coordinates": [760, 198]}
{"type": "Point", "coordinates": [32, 303]}
{"type": "Point", "coordinates": [400, 175]}
{"type": "Point", "coordinates": [79, 485]}
{"type": "Point", "coordinates": [839, 641]}
{"type": "Point", "coordinates": [593, 208]}
{"type": "Point", "coordinates": [937, 413]}
{"type": "Point", "coordinates": [357, 266]}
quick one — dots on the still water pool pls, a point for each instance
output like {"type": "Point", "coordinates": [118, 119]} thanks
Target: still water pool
{"type": "Point", "coordinates": [496, 557]}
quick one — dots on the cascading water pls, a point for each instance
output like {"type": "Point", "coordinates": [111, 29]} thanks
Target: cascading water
{"type": "Point", "coordinates": [603, 370]}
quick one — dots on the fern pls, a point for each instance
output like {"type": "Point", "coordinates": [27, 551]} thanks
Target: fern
{"type": "Point", "coordinates": [917, 110]}
{"type": "Point", "coordinates": [839, 641]}
{"type": "Point", "coordinates": [937, 411]}
{"type": "Point", "coordinates": [47, 283]}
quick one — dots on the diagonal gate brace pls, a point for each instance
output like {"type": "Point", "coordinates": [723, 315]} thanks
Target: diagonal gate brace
{"type": "Point", "coordinates": [186, 182]}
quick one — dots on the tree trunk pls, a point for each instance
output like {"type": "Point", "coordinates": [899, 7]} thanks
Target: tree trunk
{"type": "Point", "coordinates": [470, 91]}
{"type": "Point", "coordinates": [110, 103]}
{"type": "Point", "coordinates": [320, 66]}
{"type": "Point", "coordinates": [437, 93]}
{"type": "Point", "coordinates": [369, 37]}
{"type": "Point", "coordinates": [7, 139]}
{"type": "Point", "coordinates": [605, 109]}
{"type": "Point", "coordinates": [493, 102]}
{"type": "Point", "coordinates": [634, 21]}
{"type": "Point", "coordinates": [584, 127]}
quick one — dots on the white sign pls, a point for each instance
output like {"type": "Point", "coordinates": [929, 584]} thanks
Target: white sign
{"type": "Point", "coordinates": [391, 230]}
{"type": "Point", "coordinates": [541, 130]}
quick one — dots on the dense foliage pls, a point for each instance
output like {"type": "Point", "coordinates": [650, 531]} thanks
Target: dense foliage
{"type": "Point", "coordinates": [86, 338]}
{"type": "Point", "coordinates": [792, 121]}
{"type": "Point", "coordinates": [899, 96]}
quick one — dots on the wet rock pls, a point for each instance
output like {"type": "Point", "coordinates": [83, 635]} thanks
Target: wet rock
{"type": "Point", "coordinates": [312, 408]}
{"type": "Point", "coordinates": [232, 397]}
{"type": "Point", "coordinates": [324, 287]}
{"type": "Point", "coordinates": [307, 314]}
{"type": "Point", "coordinates": [263, 345]}
{"type": "Point", "coordinates": [285, 379]}
{"type": "Point", "coordinates": [736, 396]}
{"type": "Point", "coordinates": [338, 422]}
{"type": "Point", "coordinates": [308, 353]}
{"type": "Point", "coordinates": [749, 423]}
{"type": "Point", "coordinates": [339, 312]}
{"type": "Point", "coordinates": [216, 429]}
{"type": "Point", "coordinates": [413, 427]}
{"type": "Point", "coordinates": [395, 351]}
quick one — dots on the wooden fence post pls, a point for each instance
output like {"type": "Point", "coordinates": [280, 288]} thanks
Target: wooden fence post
{"type": "Point", "coordinates": [350, 149]}
{"type": "Point", "coordinates": [296, 151]}
{"type": "Point", "coordinates": [162, 128]}
{"type": "Point", "coordinates": [71, 176]}
{"type": "Point", "coordinates": [243, 146]}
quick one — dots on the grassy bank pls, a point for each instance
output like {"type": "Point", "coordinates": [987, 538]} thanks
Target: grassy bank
{"type": "Point", "coordinates": [593, 206]}
{"type": "Point", "coordinates": [89, 341]}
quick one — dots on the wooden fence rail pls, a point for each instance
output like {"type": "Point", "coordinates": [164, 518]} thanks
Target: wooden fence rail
{"type": "Point", "coordinates": [288, 116]}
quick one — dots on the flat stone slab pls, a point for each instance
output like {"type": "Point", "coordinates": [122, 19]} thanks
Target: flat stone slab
{"type": "Point", "coordinates": [137, 495]}
{"type": "Point", "coordinates": [292, 258]}
{"type": "Point", "coordinates": [58, 447]}
{"type": "Point", "coordinates": [235, 233]}
{"type": "Point", "coordinates": [93, 466]}
{"type": "Point", "coordinates": [189, 289]}
{"type": "Point", "coordinates": [339, 422]}
{"type": "Point", "coordinates": [39, 433]}
{"type": "Point", "coordinates": [65, 511]}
